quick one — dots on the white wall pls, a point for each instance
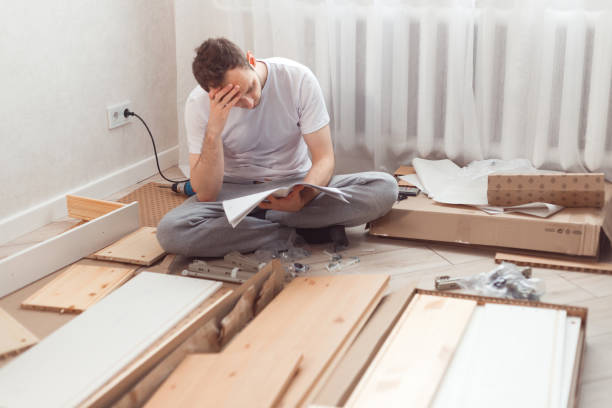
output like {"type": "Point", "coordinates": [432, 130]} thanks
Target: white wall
{"type": "Point", "coordinates": [195, 21]}
{"type": "Point", "coordinates": [62, 63]}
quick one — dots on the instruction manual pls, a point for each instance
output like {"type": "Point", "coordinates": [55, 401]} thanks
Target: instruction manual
{"type": "Point", "coordinates": [238, 208]}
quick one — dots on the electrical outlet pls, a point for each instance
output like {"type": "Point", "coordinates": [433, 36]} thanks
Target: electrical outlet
{"type": "Point", "coordinates": [114, 114]}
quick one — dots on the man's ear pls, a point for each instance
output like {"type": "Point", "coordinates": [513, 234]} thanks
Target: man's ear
{"type": "Point", "coordinates": [251, 59]}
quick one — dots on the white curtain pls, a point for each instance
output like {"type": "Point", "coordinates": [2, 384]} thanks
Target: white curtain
{"type": "Point", "coordinates": [458, 79]}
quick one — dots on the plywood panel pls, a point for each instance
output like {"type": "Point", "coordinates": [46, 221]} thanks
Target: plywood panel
{"type": "Point", "coordinates": [80, 286]}
{"type": "Point", "coordinates": [75, 360]}
{"type": "Point", "coordinates": [140, 247]}
{"type": "Point", "coordinates": [409, 367]}
{"type": "Point", "coordinates": [87, 209]}
{"type": "Point", "coordinates": [38, 261]}
{"type": "Point", "coordinates": [14, 338]}
{"type": "Point", "coordinates": [313, 316]}
{"type": "Point", "coordinates": [242, 379]}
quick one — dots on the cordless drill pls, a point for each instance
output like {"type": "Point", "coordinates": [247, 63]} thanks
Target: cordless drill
{"type": "Point", "coordinates": [183, 188]}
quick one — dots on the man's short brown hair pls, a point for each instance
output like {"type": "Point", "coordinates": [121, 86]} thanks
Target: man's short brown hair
{"type": "Point", "coordinates": [214, 58]}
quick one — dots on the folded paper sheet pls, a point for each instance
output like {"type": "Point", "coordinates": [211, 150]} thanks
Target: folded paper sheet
{"type": "Point", "coordinates": [238, 208]}
{"type": "Point", "coordinates": [445, 182]}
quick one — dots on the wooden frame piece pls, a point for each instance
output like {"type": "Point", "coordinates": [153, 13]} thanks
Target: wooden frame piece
{"type": "Point", "coordinates": [553, 263]}
{"type": "Point", "coordinates": [24, 267]}
{"type": "Point", "coordinates": [87, 209]}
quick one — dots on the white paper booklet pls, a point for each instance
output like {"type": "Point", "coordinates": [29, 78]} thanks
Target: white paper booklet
{"type": "Point", "coordinates": [238, 208]}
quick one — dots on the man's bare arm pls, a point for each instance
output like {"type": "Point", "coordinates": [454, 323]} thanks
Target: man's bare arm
{"type": "Point", "coordinates": [207, 167]}
{"type": "Point", "coordinates": [322, 152]}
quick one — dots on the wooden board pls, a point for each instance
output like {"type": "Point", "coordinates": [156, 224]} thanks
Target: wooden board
{"type": "Point", "coordinates": [140, 247]}
{"type": "Point", "coordinates": [38, 261]}
{"type": "Point", "coordinates": [353, 365]}
{"type": "Point", "coordinates": [409, 367]}
{"type": "Point", "coordinates": [14, 338]}
{"type": "Point", "coordinates": [555, 263]}
{"type": "Point", "coordinates": [227, 380]}
{"type": "Point", "coordinates": [80, 286]}
{"type": "Point", "coordinates": [75, 360]}
{"type": "Point", "coordinates": [87, 209]}
{"type": "Point", "coordinates": [313, 316]}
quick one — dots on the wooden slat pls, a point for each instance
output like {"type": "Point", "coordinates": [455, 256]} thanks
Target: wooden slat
{"type": "Point", "coordinates": [346, 375]}
{"type": "Point", "coordinates": [555, 263]}
{"type": "Point", "coordinates": [409, 367]}
{"type": "Point", "coordinates": [80, 286]}
{"type": "Point", "coordinates": [313, 316]}
{"type": "Point", "coordinates": [242, 379]}
{"type": "Point", "coordinates": [140, 247]}
{"type": "Point", "coordinates": [87, 209]}
{"type": "Point", "coordinates": [38, 261]}
{"type": "Point", "coordinates": [75, 360]}
{"type": "Point", "coordinates": [14, 338]}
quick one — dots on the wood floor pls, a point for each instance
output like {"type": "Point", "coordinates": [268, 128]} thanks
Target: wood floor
{"type": "Point", "coordinates": [406, 261]}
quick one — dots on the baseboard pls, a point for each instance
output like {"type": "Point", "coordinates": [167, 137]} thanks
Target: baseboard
{"type": "Point", "coordinates": [54, 208]}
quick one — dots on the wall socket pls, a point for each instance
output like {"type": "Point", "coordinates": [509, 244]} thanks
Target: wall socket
{"type": "Point", "coordinates": [114, 114]}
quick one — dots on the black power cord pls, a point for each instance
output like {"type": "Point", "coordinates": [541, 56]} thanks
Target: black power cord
{"type": "Point", "coordinates": [127, 113]}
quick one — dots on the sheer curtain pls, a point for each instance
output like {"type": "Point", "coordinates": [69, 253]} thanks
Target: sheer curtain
{"type": "Point", "coordinates": [458, 79]}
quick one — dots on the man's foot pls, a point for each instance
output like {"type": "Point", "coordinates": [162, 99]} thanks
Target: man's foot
{"type": "Point", "coordinates": [335, 234]}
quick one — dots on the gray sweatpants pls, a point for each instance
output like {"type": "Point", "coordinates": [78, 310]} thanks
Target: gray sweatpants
{"type": "Point", "coordinates": [201, 229]}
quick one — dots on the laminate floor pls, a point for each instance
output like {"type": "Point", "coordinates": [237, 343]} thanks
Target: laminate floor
{"type": "Point", "coordinates": [406, 261]}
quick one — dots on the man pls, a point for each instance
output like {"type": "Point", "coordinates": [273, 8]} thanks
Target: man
{"type": "Point", "coordinates": [251, 125]}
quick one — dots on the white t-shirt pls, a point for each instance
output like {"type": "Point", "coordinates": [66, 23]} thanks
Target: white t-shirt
{"type": "Point", "coordinates": [265, 143]}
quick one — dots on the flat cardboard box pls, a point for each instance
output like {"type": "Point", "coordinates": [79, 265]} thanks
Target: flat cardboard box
{"type": "Point", "coordinates": [572, 231]}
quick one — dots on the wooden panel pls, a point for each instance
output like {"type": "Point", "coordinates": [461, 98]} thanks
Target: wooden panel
{"type": "Point", "coordinates": [227, 379]}
{"type": "Point", "coordinates": [409, 367]}
{"type": "Point", "coordinates": [313, 316]}
{"type": "Point", "coordinates": [14, 338]}
{"type": "Point", "coordinates": [555, 263]}
{"type": "Point", "coordinates": [404, 170]}
{"type": "Point", "coordinates": [140, 247]}
{"type": "Point", "coordinates": [38, 261]}
{"type": "Point", "coordinates": [87, 209]}
{"type": "Point", "coordinates": [75, 360]}
{"type": "Point", "coordinates": [346, 375]}
{"type": "Point", "coordinates": [80, 286]}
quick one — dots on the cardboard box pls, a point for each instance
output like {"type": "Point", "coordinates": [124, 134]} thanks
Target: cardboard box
{"type": "Point", "coordinates": [572, 231]}
{"type": "Point", "coordinates": [567, 190]}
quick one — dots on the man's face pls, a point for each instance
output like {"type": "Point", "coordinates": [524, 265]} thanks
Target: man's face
{"type": "Point", "coordinates": [250, 87]}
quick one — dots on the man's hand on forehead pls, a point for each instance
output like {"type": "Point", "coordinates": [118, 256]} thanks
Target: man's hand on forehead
{"type": "Point", "coordinates": [221, 101]}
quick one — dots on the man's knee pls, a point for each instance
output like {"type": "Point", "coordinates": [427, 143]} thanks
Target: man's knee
{"type": "Point", "coordinates": [167, 235]}
{"type": "Point", "coordinates": [385, 190]}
